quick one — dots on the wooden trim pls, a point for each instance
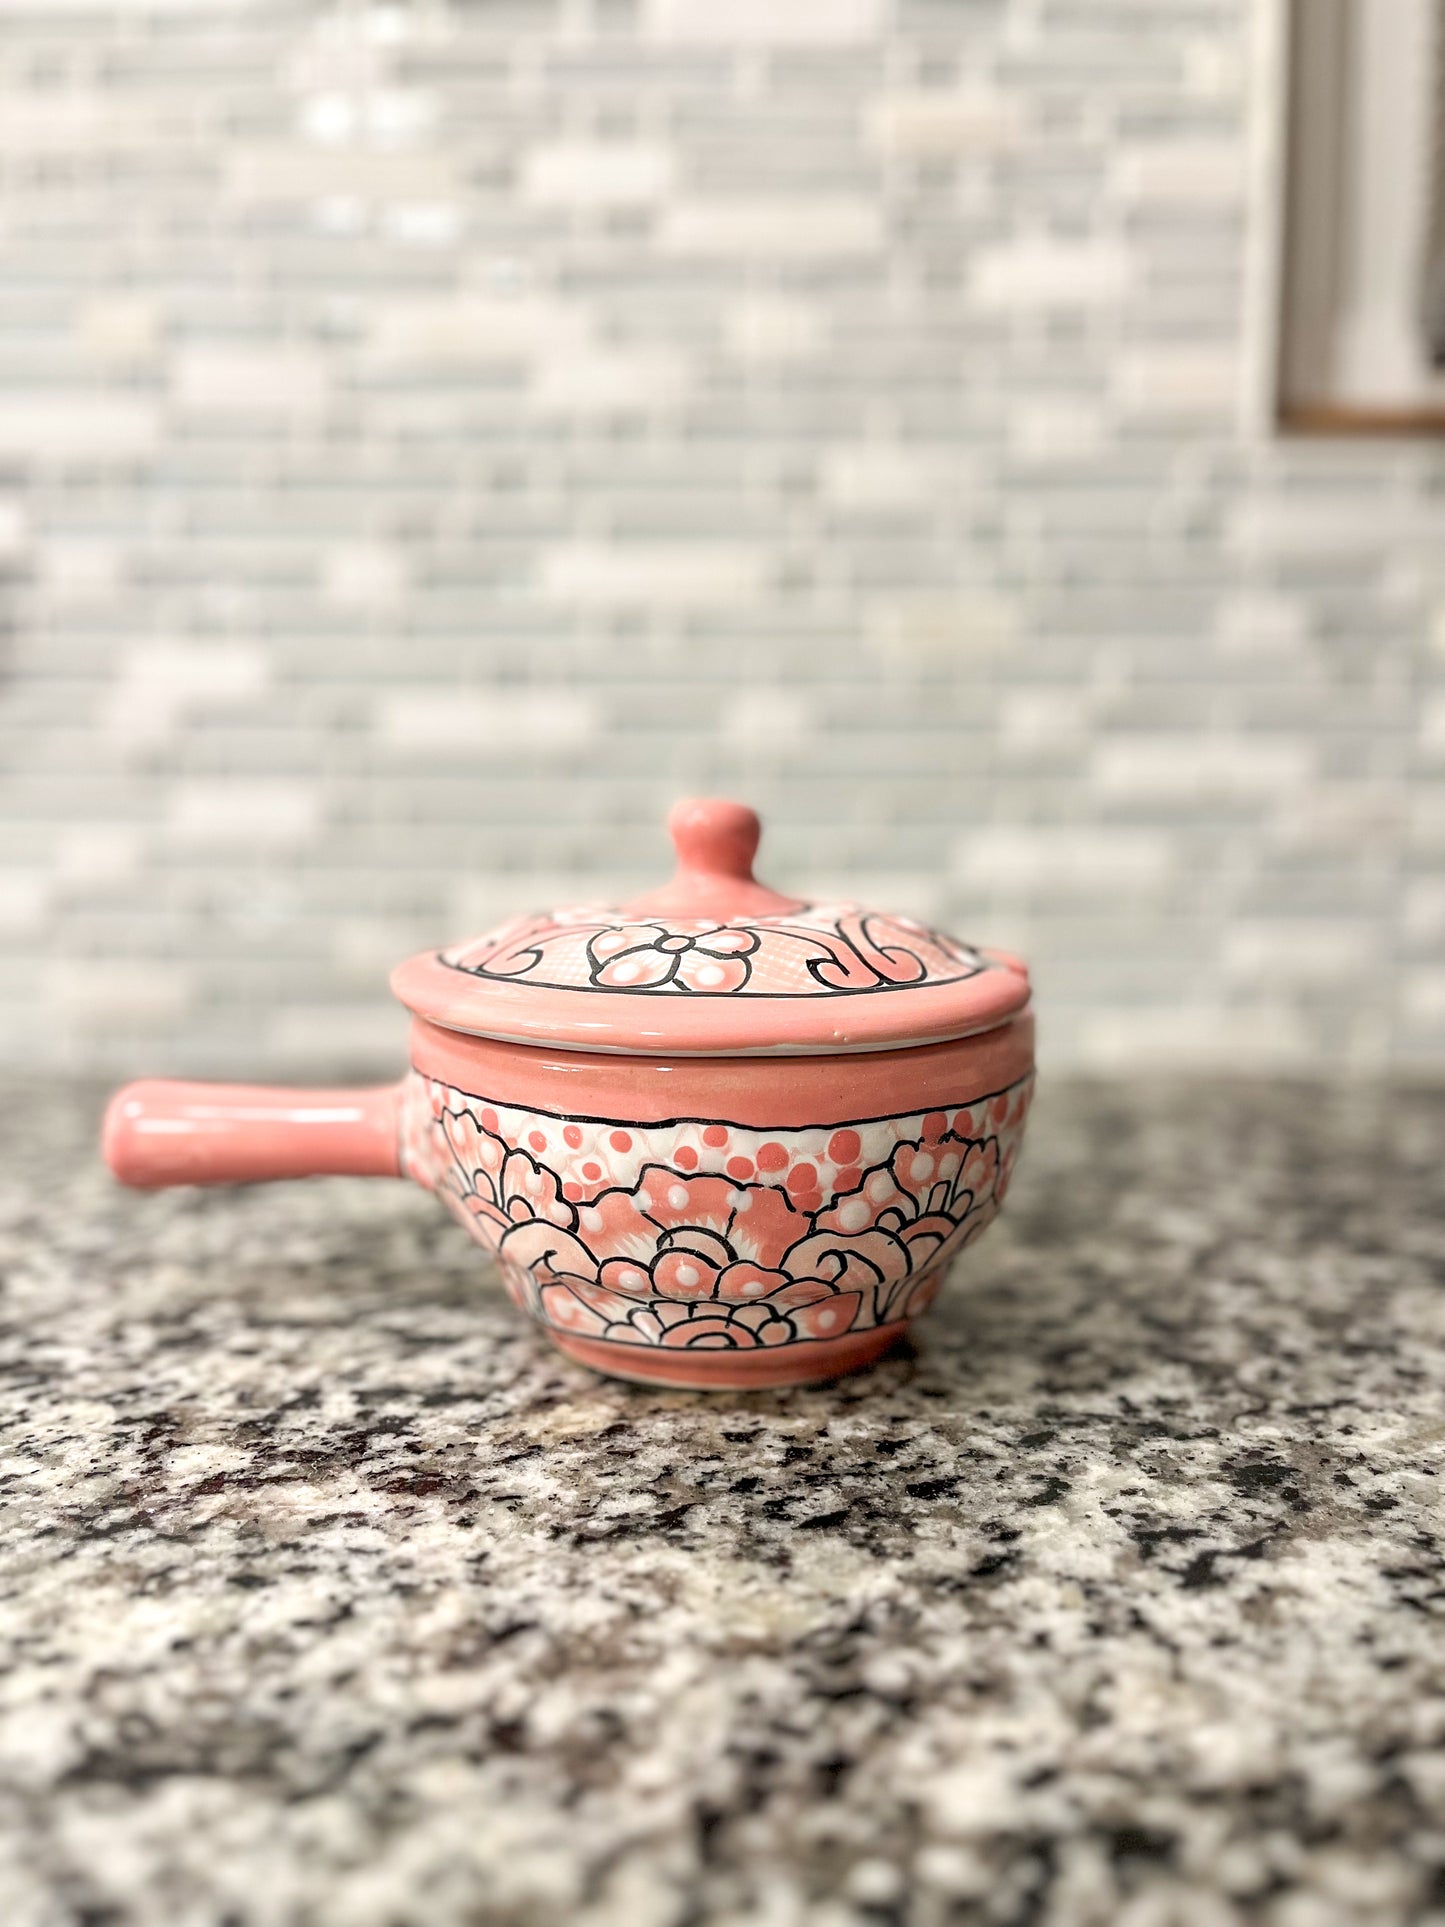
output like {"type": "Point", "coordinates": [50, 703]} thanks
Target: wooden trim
{"type": "Point", "coordinates": [1331, 418]}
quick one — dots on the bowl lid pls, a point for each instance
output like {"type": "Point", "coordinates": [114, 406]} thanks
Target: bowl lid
{"type": "Point", "coordinates": [714, 964]}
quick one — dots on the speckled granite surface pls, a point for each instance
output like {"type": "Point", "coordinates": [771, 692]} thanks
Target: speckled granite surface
{"type": "Point", "coordinates": [331, 1595]}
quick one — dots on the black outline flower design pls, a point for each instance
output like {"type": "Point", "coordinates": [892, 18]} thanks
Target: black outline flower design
{"type": "Point", "coordinates": [710, 960]}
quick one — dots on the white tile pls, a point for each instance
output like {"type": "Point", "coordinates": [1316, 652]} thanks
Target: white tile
{"type": "Point", "coordinates": [41, 122]}
{"type": "Point", "coordinates": [941, 121]}
{"type": "Point", "coordinates": [1431, 730]}
{"type": "Point", "coordinates": [161, 684]}
{"type": "Point", "coordinates": [1255, 1042]}
{"type": "Point", "coordinates": [1363, 818]}
{"type": "Point", "coordinates": [65, 425]}
{"type": "Point", "coordinates": [239, 813]}
{"type": "Point", "coordinates": [99, 855]}
{"type": "Point", "coordinates": [1037, 272]}
{"type": "Point", "coordinates": [423, 223]}
{"type": "Point", "coordinates": [595, 174]}
{"type": "Point", "coordinates": [79, 571]}
{"type": "Point", "coordinates": [764, 328]}
{"type": "Point", "coordinates": [1256, 623]}
{"type": "Point", "coordinates": [600, 381]}
{"type": "Point", "coordinates": [1423, 993]}
{"type": "Point", "coordinates": [119, 10]}
{"type": "Point", "coordinates": [478, 903]}
{"type": "Point", "coordinates": [364, 575]}
{"type": "Point", "coordinates": [260, 176]}
{"type": "Point", "coordinates": [1215, 69]}
{"type": "Point", "coordinates": [1306, 952]}
{"type": "Point", "coordinates": [1057, 431]}
{"type": "Point", "coordinates": [1172, 765]}
{"type": "Point", "coordinates": [1018, 859]}
{"type": "Point", "coordinates": [367, 947]}
{"type": "Point", "coordinates": [661, 575]}
{"type": "Point", "coordinates": [766, 719]}
{"type": "Point", "coordinates": [1193, 379]}
{"type": "Point", "coordinates": [923, 895]}
{"type": "Point", "coordinates": [25, 901]}
{"type": "Point", "coordinates": [126, 990]}
{"type": "Point", "coordinates": [1180, 173]}
{"type": "Point", "coordinates": [1423, 910]}
{"type": "Point", "coordinates": [1373, 520]}
{"type": "Point", "coordinates": [1426, 817]}
{"type": "Point", "coordinates": [418, 720]}
{"type": "Point", "coordinates": [776, 227]}
{"type": "Point", "coordinates": [251, 381]}
{"type": "Point", "coordinates": [14, 527]}
{"type": "Point", "coordinates": [387, 116]}
{"type": "Point", "coordinates": [117, 331]}
{"type": "Point", "coordinates": [764, 23]}
{"type": "Point", "coordinates": [326, 1034]}
{"type": "Point", "coordinates": [455, 331]}
{"type": "Point", "coordinates": [1030, 720]}
{"type": "Point", "coordinates": [204, 671]}
{"type": "Point", "coordinates": [943, 626]}
{"type": "Point", "coordinates": [876, 475]}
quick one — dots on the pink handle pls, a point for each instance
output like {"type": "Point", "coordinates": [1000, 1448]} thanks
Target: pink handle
{"type": "Point", "coordinates": [159, 1132]}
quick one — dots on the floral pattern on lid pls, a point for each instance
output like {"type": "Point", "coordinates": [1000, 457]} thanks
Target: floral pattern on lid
{"type": "Point", "coordinates": [715, 963]}
{"type": "Point", "coordinates": [820, 950]}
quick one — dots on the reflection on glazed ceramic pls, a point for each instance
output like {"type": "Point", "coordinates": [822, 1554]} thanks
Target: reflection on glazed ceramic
{"type": "Point", "coordinates": [713, 1236]}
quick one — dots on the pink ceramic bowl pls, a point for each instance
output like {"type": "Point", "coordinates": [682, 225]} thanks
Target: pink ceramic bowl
{"type": "Point", "coordinates": [713, 1138]}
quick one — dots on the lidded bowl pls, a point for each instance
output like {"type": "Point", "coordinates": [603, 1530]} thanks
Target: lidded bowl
{"type": "Point", "coordinates": [713, 1136]}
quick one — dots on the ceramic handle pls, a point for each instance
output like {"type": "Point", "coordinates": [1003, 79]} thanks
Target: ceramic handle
{"type": "Point", "coordinates": [159, 1132]}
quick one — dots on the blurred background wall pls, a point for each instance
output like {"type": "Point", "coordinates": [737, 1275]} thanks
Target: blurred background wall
{"type": "Point", "coordinates": [434, 436]}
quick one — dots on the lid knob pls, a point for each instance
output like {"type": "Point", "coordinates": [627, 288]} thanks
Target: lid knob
{"type": "Point", "coordinates": [716, 841]}
{"type": "Point", "coordinates": [714, 837]}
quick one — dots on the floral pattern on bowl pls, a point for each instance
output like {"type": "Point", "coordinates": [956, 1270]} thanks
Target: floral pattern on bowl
{"type": "Point", "coordinates": [712, 1236]}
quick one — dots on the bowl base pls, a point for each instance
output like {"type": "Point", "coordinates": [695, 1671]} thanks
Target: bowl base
{"type": "Point", "coordinates": [807, 1362]}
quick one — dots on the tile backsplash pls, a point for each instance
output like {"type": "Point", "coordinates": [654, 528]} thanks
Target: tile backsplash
{"type": "Point", "coordinates": [434, 436]}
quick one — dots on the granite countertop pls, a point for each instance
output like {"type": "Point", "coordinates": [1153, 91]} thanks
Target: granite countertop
{"type": "Point", "coordinates": [331, 1594]}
